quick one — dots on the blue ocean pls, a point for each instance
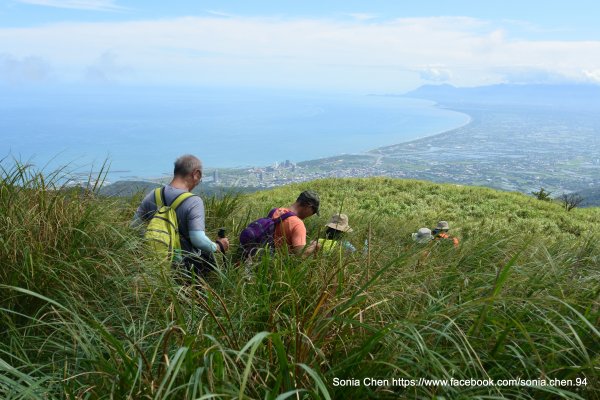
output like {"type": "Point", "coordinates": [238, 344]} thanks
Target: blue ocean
{"type": "Point", "coordinates": [142, 130]}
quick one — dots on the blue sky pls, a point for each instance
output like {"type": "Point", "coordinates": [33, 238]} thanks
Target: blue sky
{"type": "Point", "coordinates": [365, 46]}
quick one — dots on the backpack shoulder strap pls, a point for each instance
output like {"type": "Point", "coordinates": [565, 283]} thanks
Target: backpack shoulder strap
{"type": "Point", "coordinates": [158, 197]}
{"type": "Point", "coordinates": [180, 199]}
{"type": "Point", "coordinates": [286, 215]}
{"type": "Point", "coordinates": [282, 217]}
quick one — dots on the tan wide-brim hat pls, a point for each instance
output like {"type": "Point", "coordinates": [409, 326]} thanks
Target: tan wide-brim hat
{"type": "Point", "coordinates": [339, 222]}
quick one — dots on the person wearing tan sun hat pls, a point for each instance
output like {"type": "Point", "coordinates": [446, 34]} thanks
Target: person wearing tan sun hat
{"type": "Point", "coordinates": [337, 227]}
{"type": "Point", "coordinates": [440, 233]}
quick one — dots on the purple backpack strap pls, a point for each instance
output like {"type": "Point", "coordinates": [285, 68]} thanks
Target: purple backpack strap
{"type": "Point", "coordinates": [282, 217]}
{"type": "Point", "coordinates": [285, 216]}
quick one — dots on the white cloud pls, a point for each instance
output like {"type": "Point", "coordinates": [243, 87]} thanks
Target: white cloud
{"type": "Point", "coordinates": [105, 69]}
{"type": "Point", "coordinates": [29, 69]}
{"type": "Point", "coordinates": [521, 75]}
{"type": "Point", "coordinates": [592, 75]}
{"type": "Point", "coordinates": [95, 5]}
{"type": "Point", "coordinates": [435, 74]}
{"type": "Point", "coordinates": [383, 55]}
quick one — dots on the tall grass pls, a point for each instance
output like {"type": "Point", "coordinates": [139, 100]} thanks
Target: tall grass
{"type": "Point", "coordinates": [85, 313]}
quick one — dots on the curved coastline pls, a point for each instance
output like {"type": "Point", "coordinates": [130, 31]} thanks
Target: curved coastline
{"type": "Point", "coordinates": [374, 152]}
{"type": "Point", "coordinates": [432, 135]}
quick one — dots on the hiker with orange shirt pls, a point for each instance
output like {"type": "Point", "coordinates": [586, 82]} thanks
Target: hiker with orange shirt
{"type": "Point", "coordinates": [291, 232]}
{"type": "Point", "coordinates": [440, 233]}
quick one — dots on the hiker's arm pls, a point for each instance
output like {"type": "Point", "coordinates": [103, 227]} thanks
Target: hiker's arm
{"type": "Point", "coordinates": [297, 250]}
{"type": "Point", "coordinates": [136, 223]}
{"type": "Point", "coordinates": [348, 246]}
{"type": "Point", "coordinates": [297, 238]}
{"type": "Point", "coordinates": [306, 251]}
{"type": "Point", "coordinates": [201, 241]}
{"type": "Point", "coordinates": [143, 212]}
{"type": "Point", "coordinates": [195, 221]}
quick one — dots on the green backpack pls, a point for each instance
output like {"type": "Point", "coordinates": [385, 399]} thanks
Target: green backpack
{"type": "Point", "coordinates": [162, 232]}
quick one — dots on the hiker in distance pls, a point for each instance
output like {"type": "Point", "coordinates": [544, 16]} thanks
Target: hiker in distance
{"type": "Point", "coordinates": [337, 227]}
{"type": "Point", "coordinates": [189, 221]}
{"type": "Point", "coordinates": [422, 236]}
{"type": "Point", "coordinates": [440, 233]}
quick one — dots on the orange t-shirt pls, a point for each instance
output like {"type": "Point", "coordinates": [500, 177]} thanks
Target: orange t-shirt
{"type": "Point", "coordinates": [290, 231]}
{"type": "Point", "coordinates": [445, 236]}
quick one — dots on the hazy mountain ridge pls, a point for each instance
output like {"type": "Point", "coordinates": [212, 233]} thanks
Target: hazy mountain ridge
{"type": "Point", "coordinates": [565, 95]}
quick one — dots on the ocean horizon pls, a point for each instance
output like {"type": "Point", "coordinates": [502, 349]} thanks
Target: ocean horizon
{"type": "Point", "coordinates": [140, 131]}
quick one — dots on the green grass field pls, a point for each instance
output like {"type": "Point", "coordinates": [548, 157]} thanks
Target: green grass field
{"type": "Point", "coordinates": [85, 313]}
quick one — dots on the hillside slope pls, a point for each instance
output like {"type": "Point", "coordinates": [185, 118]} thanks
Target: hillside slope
{"type": "Point", "coordinates": [399, 207]}
{"type": "Point", "coordinates": [87, 313]}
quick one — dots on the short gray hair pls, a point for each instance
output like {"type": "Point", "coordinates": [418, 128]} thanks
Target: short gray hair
{"type": "Point", "coordinates": [186, 164]}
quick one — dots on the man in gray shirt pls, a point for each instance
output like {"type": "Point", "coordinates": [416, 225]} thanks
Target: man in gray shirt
{"type": "Point", "coordinates": [187, 175]}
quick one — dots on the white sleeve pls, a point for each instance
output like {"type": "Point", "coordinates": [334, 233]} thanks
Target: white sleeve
{"type": "Point", "coordinates": [201, 241]}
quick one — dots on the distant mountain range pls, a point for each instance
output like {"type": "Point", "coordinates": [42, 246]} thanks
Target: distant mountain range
{"type": "Point", "coordinates": [580, 96]}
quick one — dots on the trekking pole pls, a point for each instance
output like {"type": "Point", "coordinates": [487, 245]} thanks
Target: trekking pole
{"type": "Point", "coordinates": [221, 235]}
{"type": "Point", "coordinates": [369, 251]}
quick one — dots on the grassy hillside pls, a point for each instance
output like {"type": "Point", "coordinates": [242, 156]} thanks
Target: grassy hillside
{"type": "Point", "coordinates": [86, 313]}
